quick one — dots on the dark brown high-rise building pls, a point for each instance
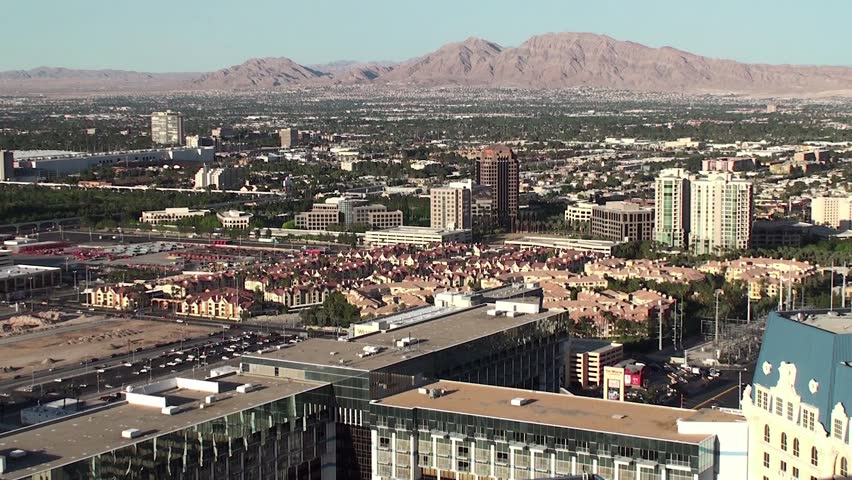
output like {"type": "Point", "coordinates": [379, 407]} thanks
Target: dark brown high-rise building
{"type": "Point", "coordinates": [497, 168]}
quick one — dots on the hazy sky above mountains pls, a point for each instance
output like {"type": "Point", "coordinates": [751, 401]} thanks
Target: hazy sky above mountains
{"type": "Point", "coordinates": [195, 35]}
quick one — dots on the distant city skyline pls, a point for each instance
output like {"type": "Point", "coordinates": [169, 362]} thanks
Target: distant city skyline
{"type": "Point", "coordinates": [196, 36]}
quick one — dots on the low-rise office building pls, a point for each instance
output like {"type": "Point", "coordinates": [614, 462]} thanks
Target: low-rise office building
{"type": "Point", "coordinates": [234, 219]}
{"type": "Point", "coordinates": [421, 236]}
{"type": "Point", "coordinates": [580, 212]}
{"type": "Point", "coordinates": [622, 221]}
{"type": "Point", "coordinates": [319, 217]}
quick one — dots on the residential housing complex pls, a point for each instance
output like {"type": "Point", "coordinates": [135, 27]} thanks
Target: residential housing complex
{"type": "Point", "coordinates": [721, 213]}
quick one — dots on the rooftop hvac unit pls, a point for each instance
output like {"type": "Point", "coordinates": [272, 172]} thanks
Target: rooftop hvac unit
{"type": "Point", "coordinates": [131, 433]}
{"type": "Point", "coordinates": [18, 453]}
{"type": "Point", "coordinates": [520, 401]}
{"type": "Point", "coordinates": [245, 388]}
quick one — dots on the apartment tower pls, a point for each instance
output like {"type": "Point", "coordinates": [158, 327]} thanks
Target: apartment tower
{"type": "Point", "coordinates": [450, 208]}
{"type": "Point", "coordinates": [167, 128]}
{"type": "Point", "coordinates": [721, 211]}
{"type": "Point", "coordinates": [671, 223]}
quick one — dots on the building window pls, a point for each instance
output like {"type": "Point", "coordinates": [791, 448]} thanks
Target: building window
{"type": "Point", "coordinates": [766, 459]}
{"type": "Point", "coordinates": [796, 472]}
{"type": "Point", "coordinates": [766, 436]}
{"type": "Point", "coordinates": [784, 441]}
{"type": "Point", "coordinates": [464, 466]}
{"type": "Point", "coordinates": [462, 451]}
{"type": "Point", "coordinates": [779, 407]}
{"type": "Point", "coordinates": [783, 466]}
{"type": "Point", "coordinates": [838, 428]}
{"type": "Point", "coordinates": [808, 419]}
{"type": "Point", "coordinates": [384, 442]}
{"type": "Point", "coordinates": [814, 457]}
{"type": "Point", "coordinates": [790, 411]}
{"type": "Point", "coordinates": [844, 467]}
{"type": "Point", "coordinates": [503, 457]}
{"type": "Point", "coordinates": [795, 447]}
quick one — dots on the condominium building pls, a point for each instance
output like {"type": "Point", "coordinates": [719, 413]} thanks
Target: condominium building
{"type": "Point", "coordinates": [497, 168]}
{"type": "Point", "coordinates": [832, 211]}
{"type": "Point", "coordinates": [167, 128]}
{"type": "Point", "coordinates": [799, 406]}
{"type": "Point", "coordinates": [622, 221]}
{"type": "Point", "coordinates": [224, 178]}
{"type": "Point", "coordinates": [234, 219]}
{"type": "Point", "coordinates": [721, 213]}
{"type": "Point", "coordinates": [170, 215]}
{"type": "Point", "coordinates": [420, 236]}
{"type": "Point", "coordinates": [450, 208]}
{"type": "Point", "coordinates": [289, 137]}
{"type": "Point", "coordinates": [580, 212]}
{"type": "Point", "coordinates": [672, 197]}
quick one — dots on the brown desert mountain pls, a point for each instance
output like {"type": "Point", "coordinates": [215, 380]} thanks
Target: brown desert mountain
{"type": "Point", "coordinates": [554, 60]}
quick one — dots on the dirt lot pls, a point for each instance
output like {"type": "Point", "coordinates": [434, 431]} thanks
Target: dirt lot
{"type": "Point", "coordinates": [95, 338]}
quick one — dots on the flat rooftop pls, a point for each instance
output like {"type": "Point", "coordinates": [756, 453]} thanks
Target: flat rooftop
{"type": "Point", "coordinates": [69, 440]}
{"type": "Point", "coordinates": [407, 229]}
{"type": "Point", "coordinates": [837, 321]}
{"type": "Point", "coordinates": [433, 335]}
{"type": "Point", "coordinates": [13, 271]}
{"type": "Point", "coordinates": [584, 413]}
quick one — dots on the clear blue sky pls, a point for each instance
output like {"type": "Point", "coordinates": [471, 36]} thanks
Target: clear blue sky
{"type": "Point", "coordinates": [196, 35]}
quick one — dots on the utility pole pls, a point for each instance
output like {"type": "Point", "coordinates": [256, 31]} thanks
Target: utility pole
{"type": "Point", "coordinates": [660, 321]}
{"type": "Point", "coordinates": [831, 292]}
{"type": "Point", "coordinates": [716, 334]}
{"type": "Point", "coordinates": [843, 287]}
{"type": "Point", "coordinates": [748, 307]}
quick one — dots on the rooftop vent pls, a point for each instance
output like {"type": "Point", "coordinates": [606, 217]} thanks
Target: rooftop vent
{"type": "Point", "coordinates": [432, 392]}
{"type": "Point", "coordinates": [618, 416]}
{"type": "Point", "coordinates": [520, 401]}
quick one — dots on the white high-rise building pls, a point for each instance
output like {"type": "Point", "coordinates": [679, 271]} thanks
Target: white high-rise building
{"type": "Point", "coordinates": [224, 178]}
{"type": "Point", "coordinates": [832, 211]}
{"type": "Point", "coordinates": [672, 221]}
{"type": "Point", "coordinates": [721, 211]}
{"type": "Point", "coordinates": [450, 208]}
{"type": "Point", "coordinates": [167, 128]}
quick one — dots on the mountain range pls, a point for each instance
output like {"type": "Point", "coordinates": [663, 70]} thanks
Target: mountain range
{"type": "Point", "coordinates": [552, 61]}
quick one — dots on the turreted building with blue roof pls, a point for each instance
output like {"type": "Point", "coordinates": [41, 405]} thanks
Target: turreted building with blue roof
{"type": "Point", "coordinates": [799, 405]}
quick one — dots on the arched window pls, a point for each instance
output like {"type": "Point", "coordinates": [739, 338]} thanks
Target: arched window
{"type": "Point", "coordinates": [844, 467]}
{"type": "Point", "coordinates": [814, 457]}
{"type": "Point", "coordinates": [766, 436]}
{"type": "Point", "coordinates": [784, 441]}
{"type": "Point", "coordinates": [796, 447]}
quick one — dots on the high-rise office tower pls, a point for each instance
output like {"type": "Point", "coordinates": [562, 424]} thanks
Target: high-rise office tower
{"type": "Point", "coordinates": [671, 224]}
{"type": "Point", "coordinates": [450, 208]}
{"type": "Point", "coordinates": [167, 128]}
{"type": "Point", "coordinates": [289, 137]}
{"type": "Point", "coordinates": [721, 210]}
{"type": "Point", "coordinates": [497, 168]}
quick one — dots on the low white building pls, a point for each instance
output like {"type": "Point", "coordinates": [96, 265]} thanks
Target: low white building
{"type": "Point", "coordinates": [170, 215]}
{"type": "Point", "coordinates": [421, 236]}
{"type": "Point", "coordinates": [234, 219]}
